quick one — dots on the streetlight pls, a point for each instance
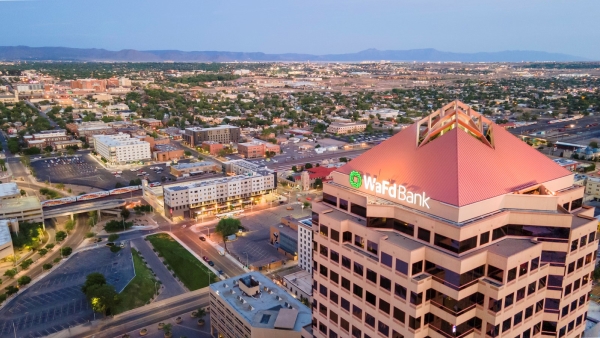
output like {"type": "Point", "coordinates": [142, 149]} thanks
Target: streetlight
{"type": "Point", "coordinates": [246, 252]}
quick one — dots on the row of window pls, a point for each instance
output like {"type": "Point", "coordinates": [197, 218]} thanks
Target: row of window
{"type": "Point", "coordinates": [583, 241]}
{"type": "Point", "coordinates": [577, 283]}
{"type": "Point", "coordinates": [574, 305]}
{"type": "Point", "coordinates": [495, 305]}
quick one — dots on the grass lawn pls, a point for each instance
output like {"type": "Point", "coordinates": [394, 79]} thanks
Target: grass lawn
{"type": "Point", "coordinates": [141, 288]}
{"type": "Point", "coordinates": [188, 268]}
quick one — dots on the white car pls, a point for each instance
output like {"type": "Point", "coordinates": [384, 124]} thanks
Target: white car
{"type": "Point", "coordinates": [132, 169]}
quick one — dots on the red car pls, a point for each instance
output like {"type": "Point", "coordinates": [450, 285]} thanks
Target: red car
{"type": "Point", "coordinates": [205, 259]}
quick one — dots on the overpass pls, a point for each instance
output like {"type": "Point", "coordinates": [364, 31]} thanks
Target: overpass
{"type": "Point", "coordinates": [107, 206]}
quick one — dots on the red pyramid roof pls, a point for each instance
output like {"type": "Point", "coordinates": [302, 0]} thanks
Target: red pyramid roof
{"type": "Point", "coordinates": [456, 167]}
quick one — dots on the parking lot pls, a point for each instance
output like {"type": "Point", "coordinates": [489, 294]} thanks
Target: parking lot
{"type": "Point", "coordinates": [255, 241]}
{"type": "Point", "coordinates": [56, 302]}
{"type": "Point", "coordinates": [78, 169]}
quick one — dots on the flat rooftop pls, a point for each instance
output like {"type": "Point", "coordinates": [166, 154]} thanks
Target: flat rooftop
{"type": "Point", "coordinates": [302, 280]}
{"type": "Point", "coordinates": [206, 182]}
{"type": "Point", "coordinates": [193, 165]}
{"type": "Point", "coordinates": [9, 189]}
{"type": "Point", "coordinates": [271, 308]}
{"type": "Point", "coordinates": [19, 204]}
{"type": "Point", "coordinates": [224, 126]}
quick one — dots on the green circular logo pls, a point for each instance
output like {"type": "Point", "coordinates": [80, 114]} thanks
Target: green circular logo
{"type": "Point", "coordinates": [355, 179]}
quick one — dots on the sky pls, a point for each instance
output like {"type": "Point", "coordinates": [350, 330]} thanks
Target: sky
{"type": "Point", "coordinates": [306, 26]}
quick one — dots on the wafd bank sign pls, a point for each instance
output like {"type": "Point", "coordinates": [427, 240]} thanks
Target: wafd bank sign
{"type": "Point", "coordinates": [393, 190]}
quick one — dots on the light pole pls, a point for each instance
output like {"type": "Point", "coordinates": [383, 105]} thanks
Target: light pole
{"type": "Point", "coordinates": [14, 328]}
{"type": "Point", "coordinates": [246, 252]}
{"type": "Point", "coordinates": [156, 287]}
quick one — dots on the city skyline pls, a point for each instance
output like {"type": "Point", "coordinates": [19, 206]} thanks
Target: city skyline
{"type": "Point", "coordinates": [333, 27]}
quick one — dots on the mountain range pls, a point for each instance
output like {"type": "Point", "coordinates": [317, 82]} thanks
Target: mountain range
{"type": "Point", "coordinates": [24, 53]}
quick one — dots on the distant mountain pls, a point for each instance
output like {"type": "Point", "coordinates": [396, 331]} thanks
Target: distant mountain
{"type": "Point", "coordinates": [24, 53]}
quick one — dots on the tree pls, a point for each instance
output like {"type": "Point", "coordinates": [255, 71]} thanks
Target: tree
{"type": "Point", "coordinates": [593, 144]}
{"type": "Point", "coordinates": [113, 237]}
{"type": "Point", "coordinates": [11, 290]}
{"type": "Point", "coordinates": [94, 278]}
{"type": "Point", "coordinates": [167, 329]}
{"type": "Point", "coordinates": [294, 169]}
{"type": "Point", "coordinates": [48, 149]}
{"type": "Point", "coordinates": [226, 227]}
{"type": "Point", "coordinates": [308, 166]}
{"type": "Point", "coordinates": [306, 205]}
{"type": "Point", "coordinates": [24, 280]}
{"type": "Point", "coordinates": [200, 313]}
{"type": "Point", "coordinates": [125, 213]}
{"type": "Point", "coordinates": [343, 159]}
{"type": "Point", "coordinates": [118, 185]}
{"type": "Point", "coordinates": [23, 193]}
{"type": "Point", "coordinates": [187, 153]}
{"type": "Point", "coordinates": [26, 264]}
{"type": "Point", "coordinates": [103, 298]}
{"type": "Point", "coordinates": [11, 273]}
{"type": "Point", "coordinates": [60, 236]}
{"type": "Point", "coordinates": [66, 251]}
{"type": "Point", "coordinates": [70, 225]}
{"type": "Point", "coordinates": [47, 266]}
{"type": "Point", "coordinates": [42, 252]}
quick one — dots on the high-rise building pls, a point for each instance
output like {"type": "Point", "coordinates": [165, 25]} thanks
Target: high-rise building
{"type": "Point", "coordinates": [452, 228]}
{"type": "Point", "coordinates": [194, 136]}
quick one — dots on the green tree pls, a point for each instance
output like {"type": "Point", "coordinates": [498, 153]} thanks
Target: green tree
{"type": "Point", "coordinates": [70, 225]}
{"type": "Point", "coordinates": [66, 251]}
{"type": "Point", "coordinates": [318, 183]}
{"type": "Point", "coordinates": [11, 290]}
{"type": "Point", "coordinates": [187, 153]}
{"type": "Point", "coordinates": [47, 266]}
{"type": "Point", "coordinates": [113, 237]}
{"type": "Point", "coordinates": [11, 273]}
{"type": "Point", "coordinates": [24, 280]}
{"type": "Point", "coordinates": [294, 169]}
{"type": "Point", "coordinates": [227, 226]}
{"type": "Point", "coordinates": [94, 278]}
{"type": "Point", "coordinates": [60, 236]}
{"type": "Point", "coordinates": [593, 144]}
{"type": "Point", "coordinates": [118, 185]}
{"type": "Point", "coordinates": [103, 298]}
{"type": "Point", "coordinates": [308, 166]}
{"type": "Point", "coordinates": [167, 329]}
{"type": "Point", "coordinates": [125, 213]}
{"type": "Point", "coordinates": [42, 252]}
{"type": "Point", "coordinates": [26, 264]}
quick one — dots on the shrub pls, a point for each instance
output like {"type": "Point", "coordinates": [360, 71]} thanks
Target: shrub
{"type": "Point", "coordinates": [115, 248]}
{"type": "Point", "coordinates": [47, 266]}
{"type": "Point", "coordinates": [26, 264]}
{"type": "Point", "coordinates": [60, 236]}
{"type": "Point", "coordinates": [113, 237]}
{"type": "Point", "coordinates": [42, 252]}
{"type": "Point", "coordinates": [66, 251]}
{"type": "Point", "coordinates": [49, 246]}
{"type": "Point", "coordinates": [24, 280]}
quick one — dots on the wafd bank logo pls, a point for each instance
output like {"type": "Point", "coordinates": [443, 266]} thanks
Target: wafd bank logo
{"type": "Point", "coordinates": [393, 190]}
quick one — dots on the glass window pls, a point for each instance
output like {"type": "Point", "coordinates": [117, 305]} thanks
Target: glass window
{"type": "Point", "coordinates": [358, 210]}
{"type": "Point", "coordinates": [346, 262]}
{"type": "Point", "coordinates": [417, 267]}
{"type": "Point", "coordinates": [492, 330]}
{"type": "Point", "coordinates": [323, 250]}
{"type": "Point", "coordinates": [404, 227]}
{"type": "Point", "coordinates": [369, 320]}
{"type": "Point", "coordinates": [592, 237]}
{"type": "Point", "coordinates": [416, 298]}
{"type": "Point", "coordinates": [424, 235]}
{"type": "Point", "coordinates": [333, 297]}
{"type": "Point", "coordinates": [334, 277]}
{"type": "Point", "coordinates": [555, 282]}
{"type": "Point", "coordinates": [357, 290]}
{"type": "Point", "coordinates": [335, 235]}
{"type": "Point", "coordinates": [335, 257]}
{"type": "Point", "coordinates": [531, 288]}
{"type": "Point", "coordinates": [454, 245]}
{"type": "Point", "coordinates": [574, 245]}
{"type": "Point", "coordinates": [343, 204]}
{"type": "Point", "coordinates": [518, 318]}
{"type": "Point", "coordinates": [356, 333]}
{"type": "Point", "coordinates": [347, 236]}
{"type": "Point", "coordinates": [554, 257]}
{"type": "Point", "coordinates": [508, 301]}
{"type": "Point", "coordinates": [358, 269]}
{"type": "Point", "coordinates": [330, 199]}
{"type": "Point", "coordinates": [359, 241]}
{"type": "Point", "coordinates": [414, 323]}
{"type": "Point", "coordinates": [372, 247]}
{"type": "Point", "coordinates": [400, 291]}
{"type": "Point", "coordinates": [495, 305]}
{"type": "Point", "coordinates": [523, 268]}
{"type": "Point", "coordinates": [345, 304]}
{"type": "Point", "coordinates": [384, 306]}
{"type": "Point", "coordinates": [385, 283]}
{"type": "Point", "coordinates": [506, 324]}
{"type": "Point", "coordinates": [568, 290]}
{"type": "Point", "coordinates": [552, 304]}
{"type": "Point", "coordinates": [539, 306]}
{"type": "Point", "coordinates": [496, 273]}
{"type": "Point", "coordinates": [344, 324]}
{"type": "Point", "coordinates": [324, 230]}
{"type": "Point", "coordinates": [548, 326]}
{"type": "Point", "coordinates": [583, 241]}
{"type": "Point", "coordinates": [386, 259]}
{"type": "Point", "coordinates": [512, 274]}
{"type": "Point", "coordinates": [323, 270]}
{"type": "Point", "coordinates": [484, 238]}
{"type": "Point", "coordinates": [499, 232]}
{"type": "Point", "coordinates": [401, 266]}
{"type": "Point", "coordinates": [370, 298]}
{"type": "Point", "coordinates": [383, 328]}
{"type": "Point", "coordinates": [571, 267]}
{"type": "Point", "coordinates": [520, 294]}
{"type": "Point", "coordinates": [529, 312]}
{"type": "Point", "coordinates": [535, 263]}
{"type": "Point", "coordinates": [372, 276]}
{"type": "Point", "coordinates": [346, 283]}
{"type": "Point", "coordinates": [356, 311]}
{"type": "Point", "coordinates": [399, 315]}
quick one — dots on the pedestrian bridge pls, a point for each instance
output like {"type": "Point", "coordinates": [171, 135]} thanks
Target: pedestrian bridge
{"type": "Point", "coordinates": [109, 206]}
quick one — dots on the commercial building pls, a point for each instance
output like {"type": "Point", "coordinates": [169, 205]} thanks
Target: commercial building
{"type": "Point", "coordinates": [299, 285]}
{"type": "Point", "coordinates": [46, 138]}
{"type": "Point", "coordinates": [346, 127]}
{"type": "Point", "coordinates": [251, 305]}
{"type": "Point", "coordinates": [194, 168]}
{"type": "Point", "coordinates": [14, 206]}
{"type": "Point", "coordinates": [245, 187]}
{"type": "Point", "coordinates": [452, 228]}
{"type": "Point", "coordinates": [9, 191]}
{"type": "Point", "coordinates": [89, 84]}
{"type": "Point", "coordinates": [166, 152]}
{"type": "Point", "coordinates": [305, 245]}
{"type": "Point", "coordinates": [257, 149]}
{"type": "Point", "coordinates": [194, 136]}
{"type": "Point", "coordinates": [151, 123]}
{"type": "Point", "coordinates": [284, 237]}
{"type": "Point", "coordinates": [89, 129]}
{"type": "Point", "coordinates": [6, 97]}
{"type": "Point", "coordinates": [121, 148]}
{"type": "Point", "coordinates": [29, 88]}
{"type": "Point", "coordinates": [592, 187]}
{"type": "Point", "coordinates": [212, 147]}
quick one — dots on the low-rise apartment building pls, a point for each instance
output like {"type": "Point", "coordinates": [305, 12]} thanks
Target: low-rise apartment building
{"type": "Point", "coordinates": [121, 148]}
{"type": "Point", "coordinates": [46, 138]}
{"type": "Point", "coordinates": [341, 128]}
{"type": "Point", "coordinates": [257, 149]}
{"type": "Point", "coordinates": [245, 187]}
{"type": "Point", "coordinates": [300, 285]}
{"type": "Point", "coordinates": [252, 306]}
{"type": "Point", "coordinates": [212, 147]}
{"type": "Point", "coordinates": [592, 187]}
{"type": "Point", "coordinates": [194, 136]}
{"type": "Point", "coordinates": [194, 168]}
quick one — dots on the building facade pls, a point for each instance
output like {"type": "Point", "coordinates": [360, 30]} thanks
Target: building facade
{"type": "Point", "coordinates": [245, 187]}
{"type": "Point", "coordinates": [212, 147]}
{"type": "Point", "coordinates": [305, 246]}
{"type": "Point", "coordinates": [465, 231]}
{"type": "Point", "coordinates": [194, 136]}
{"type": "Point", "coordinates": [346, 127]}
{"type": "Point", "coordinates": [592, 187]}
{"type": "Point", "coordinates": [121, 148]}
{"type": "Point", "coordinates": [193, 168]}
{"type": "Point", "coordinates": [252, 306]}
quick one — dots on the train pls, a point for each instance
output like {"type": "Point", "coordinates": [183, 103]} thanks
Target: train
{"type": "Point", "coordinates": [576, 117]}
{"type": "Point", "coordinates": [94, 195]}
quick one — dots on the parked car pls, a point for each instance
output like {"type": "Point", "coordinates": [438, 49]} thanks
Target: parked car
{"type": "Point", "coordinates": [211, 263]}
{"type": "Point", "coordinates": [205, 259]}
{"type": "Point", "coordinates": [202, 238]}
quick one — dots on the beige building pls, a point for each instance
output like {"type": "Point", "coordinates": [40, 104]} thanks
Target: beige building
{"type": "Point", "coordinates": [346, 127]}
{"type": "Point", "coordinates": [465, 231]}
{"type": "Point", "coordinates": [252, 306]}
{"type": "Point", "coordinates": [592, 188]}
{"type": "Point", "coordinates": [193, 168]}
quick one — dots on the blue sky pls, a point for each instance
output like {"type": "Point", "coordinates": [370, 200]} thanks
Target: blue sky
{"type": "Point", "coordinates": [306, 26]}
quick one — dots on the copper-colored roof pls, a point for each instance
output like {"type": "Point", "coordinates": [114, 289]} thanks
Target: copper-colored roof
{"type": "Point", "coordinates": [456, 167]}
